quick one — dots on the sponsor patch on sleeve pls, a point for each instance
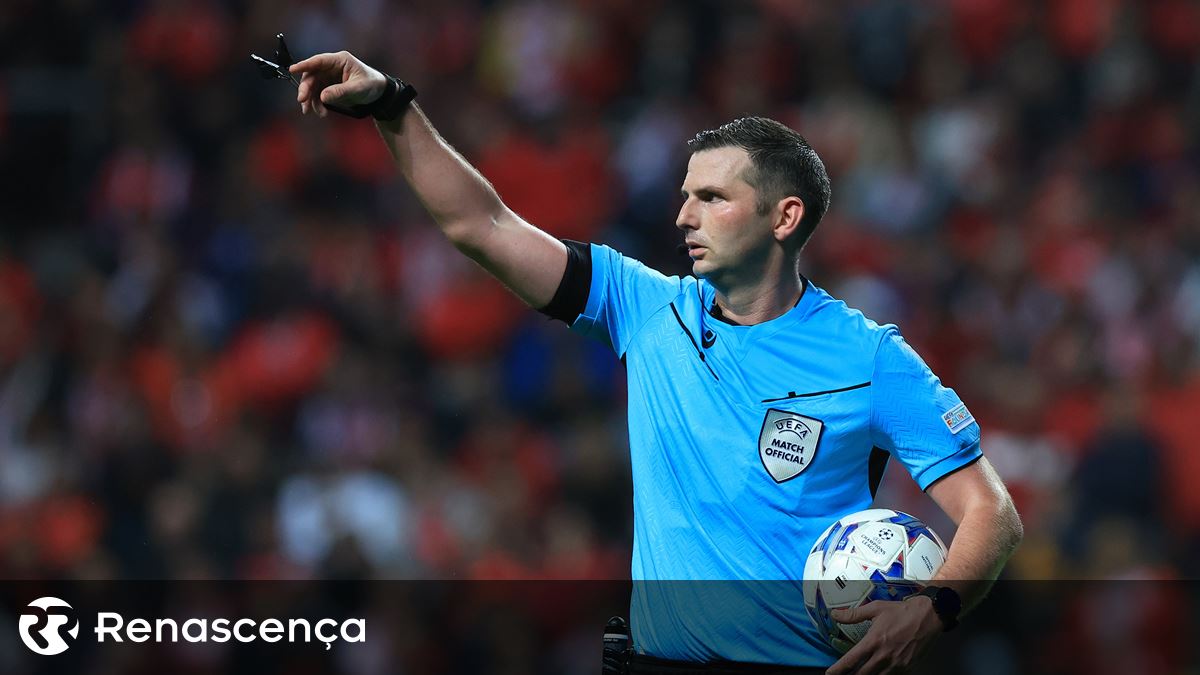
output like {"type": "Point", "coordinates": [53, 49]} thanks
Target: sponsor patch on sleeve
{"type": "Point", "coordinates": [958, 418]}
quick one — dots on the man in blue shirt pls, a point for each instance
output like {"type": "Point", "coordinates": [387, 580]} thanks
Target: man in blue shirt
{"type": "Point", "coordinates": [760, 408]}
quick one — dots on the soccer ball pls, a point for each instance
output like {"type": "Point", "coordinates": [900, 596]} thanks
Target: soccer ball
{"type": "Point", "coordinates": [877, 554]}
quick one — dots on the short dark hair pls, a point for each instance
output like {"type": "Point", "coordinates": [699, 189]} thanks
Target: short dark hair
{"type": "Point", "coordinates": [782, 164]}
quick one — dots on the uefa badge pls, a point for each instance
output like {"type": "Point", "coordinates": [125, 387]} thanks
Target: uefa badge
{"type": "Point", "coordinates": [788, 443]}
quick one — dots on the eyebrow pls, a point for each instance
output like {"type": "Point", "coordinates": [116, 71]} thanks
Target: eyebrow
{"type": "Point", "coordinates": [710, 189]}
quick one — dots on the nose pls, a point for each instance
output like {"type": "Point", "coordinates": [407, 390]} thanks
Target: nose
{"type": "Point", "coordinates": [686, 220]}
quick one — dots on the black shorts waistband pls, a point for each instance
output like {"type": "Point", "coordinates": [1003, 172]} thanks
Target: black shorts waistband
{"type": "Point", "coordinates": [649, 665]}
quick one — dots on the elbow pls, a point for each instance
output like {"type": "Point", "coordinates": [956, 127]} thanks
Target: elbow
{"type": "Point", "coordinates": [464, 235]}
{"type": "Point", "coordinates": [1011, 525]}
{"type": "Point", "coordinates": [998, 515]}
{"type": "Point", "coordinates": [468, 233]}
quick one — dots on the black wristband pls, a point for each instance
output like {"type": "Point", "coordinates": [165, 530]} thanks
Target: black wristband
{"type": "Point", "coordinates": [391, 104]}
{"type": "Point", "coordinates": [946, 604]}
{"type": "Point", "coordinates": [394, 101]}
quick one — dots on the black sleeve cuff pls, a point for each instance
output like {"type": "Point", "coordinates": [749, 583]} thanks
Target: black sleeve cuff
{"type": "Point", "coordinates": [571, 298]}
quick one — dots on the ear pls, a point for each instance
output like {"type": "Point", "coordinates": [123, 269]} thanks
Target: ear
{"type": "Point", "coordinates": [788, 214]}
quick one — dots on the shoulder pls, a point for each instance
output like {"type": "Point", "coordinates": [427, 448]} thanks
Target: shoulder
{"type": "Point", "coordinates": [614, 267]}
{"type": "Point", "coordinates": [624, 295]}
{"type": "Point", "coordinates": [846, 325]}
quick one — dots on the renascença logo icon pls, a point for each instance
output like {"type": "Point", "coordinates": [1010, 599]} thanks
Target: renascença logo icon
{"type": "Point", "coordinates": [43, 626]}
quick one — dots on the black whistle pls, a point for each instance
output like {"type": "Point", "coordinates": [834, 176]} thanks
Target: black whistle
{"type": "Point", "coordinates": [278, 70]}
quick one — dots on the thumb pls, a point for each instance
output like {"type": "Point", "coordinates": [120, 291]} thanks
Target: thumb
{"type": "Point", "coordinates": [857, 614]}
{"type": "Point", "coordinates": [357, 89]}
{"type": "Point", "coordinates": [333, 92]}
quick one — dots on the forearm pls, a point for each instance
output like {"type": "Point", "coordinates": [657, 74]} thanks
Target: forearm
{"type": "Point", "coordinates": [465, 206]}
{"type": "Point", "coordinates": [987, 535]}
{"type": "Point", "coordinates": [470, 213]}
{"type": "Point", "coordinates": [459, 198]}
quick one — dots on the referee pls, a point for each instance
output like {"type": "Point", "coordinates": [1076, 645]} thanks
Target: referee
{"type": "Point", "coordinates": [760, 408]}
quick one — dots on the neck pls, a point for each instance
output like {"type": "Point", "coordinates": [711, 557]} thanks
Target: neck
{"type": "Point", "coordinates": [771, 297]}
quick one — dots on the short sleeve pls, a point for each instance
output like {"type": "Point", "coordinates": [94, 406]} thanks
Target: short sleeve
{"type": "Point", "coordinates": [921, 423]}
{"type": "Point", "coordinates": [624, 293]}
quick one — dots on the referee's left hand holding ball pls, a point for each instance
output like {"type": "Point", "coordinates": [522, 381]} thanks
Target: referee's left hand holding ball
{"type": "Point", "coordinates": [900, 633]}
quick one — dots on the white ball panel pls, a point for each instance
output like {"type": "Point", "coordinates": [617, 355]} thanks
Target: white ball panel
{"type": "Point", "coordinates": [924, 558]}
{"type": "Point", "coordinates": [879, 543]}
{"type": "Point", "coordinates": [812, 572]}
{"type": "Point", "coordinates": [844, 582]}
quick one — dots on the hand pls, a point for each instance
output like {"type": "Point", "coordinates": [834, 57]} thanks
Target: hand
{"type": "Point", "coordinates": [900, 633]}
{"type": "Point", "coordinates": [336, 79]}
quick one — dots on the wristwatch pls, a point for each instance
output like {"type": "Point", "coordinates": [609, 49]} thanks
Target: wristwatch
{"type": "Point", "coordinates": [946, 604]}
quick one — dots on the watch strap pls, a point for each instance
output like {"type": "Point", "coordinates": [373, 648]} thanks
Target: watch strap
{"type": "Point", "coordinates": [946, 604]}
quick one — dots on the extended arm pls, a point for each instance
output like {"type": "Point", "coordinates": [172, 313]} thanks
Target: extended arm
{"type": "Point", "coordinates": [461, 201]}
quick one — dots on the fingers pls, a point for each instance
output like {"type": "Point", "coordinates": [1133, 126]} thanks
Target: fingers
{"type": "Point", "coordinates": [315, 71]}
{"type": "Point", "coordinates": [337, 78]}
{"type": "Point", "coordinates": [858, 614]}
{"type": "Point", "coordinates": [844, 616]}
{"type": "Point", "coordinates": [317, 62]}
{"type": "Point", "coordinates": [303, 88]}
{"type": "Point", "coordinates": [308, 95]}
{"type": "Point", "coordinates": [850, 660]}
{"type": "Point", "coordinates": [318, 106]}
{"type": "Point", "coordinates": [849, 663]}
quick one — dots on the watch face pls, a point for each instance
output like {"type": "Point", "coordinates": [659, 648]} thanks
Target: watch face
{"type": "Point", "coordinates": [946, 604]}
{"type": "Point", "coordinates": [950, 599]}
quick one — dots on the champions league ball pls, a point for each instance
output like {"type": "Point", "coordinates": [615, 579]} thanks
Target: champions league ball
{"type": "Point", "coordinates": [867, 556]}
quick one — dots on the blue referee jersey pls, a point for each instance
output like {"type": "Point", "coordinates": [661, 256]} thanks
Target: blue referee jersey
{"type": "Point", "coordinates": [746, 443]}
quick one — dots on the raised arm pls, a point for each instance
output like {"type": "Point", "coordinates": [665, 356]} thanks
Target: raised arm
{"type": "Point", "coordinates": [464, 204]}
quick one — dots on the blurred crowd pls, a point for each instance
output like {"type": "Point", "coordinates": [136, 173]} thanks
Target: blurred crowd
{"type": "Point", "coordinates": [232, 345]}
